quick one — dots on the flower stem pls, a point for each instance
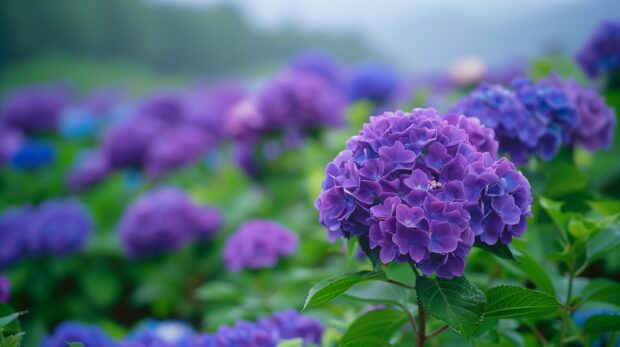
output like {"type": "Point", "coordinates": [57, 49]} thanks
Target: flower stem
{"type": "Point", "coordinates": [571, 277]}
{"type": "Point", "coordinates": [438, 331]}
{"type": "Point", "coordinates": [421, 325]}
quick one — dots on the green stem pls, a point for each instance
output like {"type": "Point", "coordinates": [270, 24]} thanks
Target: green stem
{"type": "Point", "coordinates": [571, 277]}
{"type": "Point", "coordinates": [421, 325]}
{"type": "Point", "coordinates": [438, 331]}
{"type": "Point", "coordinates": [411, 319]}
{"type": "Point", "coordinates": [399, 284]}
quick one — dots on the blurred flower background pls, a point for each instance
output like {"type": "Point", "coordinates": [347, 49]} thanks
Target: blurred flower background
{"type": "Point", "coordinates": [160, 161]}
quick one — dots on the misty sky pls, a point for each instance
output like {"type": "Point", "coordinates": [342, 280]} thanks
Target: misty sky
{"type": "Point", "coordinates": [431, 34]}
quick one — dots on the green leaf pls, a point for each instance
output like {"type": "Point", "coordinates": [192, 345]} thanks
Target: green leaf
{"type": "Point", "coordinates": [603, 243]}
{"type": "Point", "coordinates": [606, 208]}
{"type": "Point", "coordinates": [400, 272]}
{"type": "Point", "coordinates": [535, 272]}
{"type": "Point", "coordinates": [602, 290]}
{"type": "Point", "coordinates": [517, 302]}
{"type": "Point", "coordinates": [10, 321]}
{"type": "Point", "coordinates": [331, 288]}
{"type": "Point", "coordinates": [600, 323]}
{"type": "Point", "coordinates": [499, 249]}
{"type": "Point", "coordinates": [14, 340]}
{"type": "Point", "coordinates": [455, 301]}
{"type": "Point", "coordinates": [554, 209]}
{"type": "Point", "coordinates": [218, 291]}
{"type": "Point", "coordinates": [291, 343]}
{"type": "Point", "coordinates": [75, 344]}
{"type": "Point", "coordinates": [379, 292]}
{"type": "Point", "coordinates": [367, 342]}
{"type": "Point", "coordinates": [564, 178]}
{"type": "Point", "coordinates": [582, 227]}
{"type": "Point", "coordinates": [378, 323]}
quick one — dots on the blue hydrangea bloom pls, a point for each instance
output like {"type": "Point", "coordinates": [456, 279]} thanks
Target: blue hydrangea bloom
{"type": "Point", "coordinates": [5, 289]}
{"type": "Point", "coordinates": [581, 316]}
{"type": "Point", "coordinates": [596, 121]}
{"type": "Point", "coordinates": [166, 333]}
{"type": "Point", "coordinates": [601, 52]}
{"type": "Point", "coordinates": [165, 220]}
{"type": "Point", "coordinates": [373, 81]}
{"type": "Point", "coordinates": [33, 154]}
{"type": "Point", "coordinates": [258, 244]}
{"type": "Point", "coordinates": [89, 335]}
{"type": "Point", "coordinates": [59, 227]}
{"type": "Point", "coordinates": [13, 222]}
{"type": "Point", "coordinates": [412, 187]}
{"type": "Point", "coordinates": [529, 120]}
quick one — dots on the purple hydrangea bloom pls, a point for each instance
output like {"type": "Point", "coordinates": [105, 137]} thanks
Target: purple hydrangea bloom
{"type": "Point", "coordinates": [596, 122]}
{"type": "Point", "coordinates": [412, 187]}
{"type": "Point", "coordinates": [207, 108]}
{"type": "Point", "coordinates": [601, 53]}
{"type": "Point", "coordinates": [10, 141]}
{"type": "Point", "coordinates": [176, 148]}
{"type": "Point", "coordinates": [300, 100]}
{"type": "Point", "coordinates": [164, 220]}
{"type": "Point", "coordinates": [246, 334]}
{"type": "Point", "coordinates": [33, 155]}
{"type": "Point", "coordinates": [13, 222]}
{"type": "Point", "coordinates": [167, 333]}
{"type": "Point", "coordinates": [163, 106]}
{"type": "Point", "coordinates": [91, 169]}
{"type": "Point", "coordinates": [126, 145]}
{"type": "Point", "coordinates": [34, 109]}
{"type": "Point", "coordinates": [291, 324]}
{"type": "Point", "coordinates": [89, 335]}
{"type": "Point", "coordinates": [373, 81]}
{"type": "Point", "coordinates": [258, 244]}
{"type": "Point", "coordinates": [317, 62]}
{"type": "Point", "coordinates": [481, 137]}
{"type": "Point", "coordinates": [59, 227]}
{"type": "Point", "coordinates": [5, 289]}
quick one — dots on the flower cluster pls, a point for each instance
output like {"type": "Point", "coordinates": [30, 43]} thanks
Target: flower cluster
{"type": "Point", "coordinates": [537, 119]}
{"type": "Point", "coordinates": [266, 332]}
{"type": "Point", "coordinates": [596, 122]}
{"type": "Point", "coordinates": [601, 53]}
{"type": "Point", "coordinates": [164, 220]}
{"type": "Point", "coordinates": [34, 109]}
{"type": "Point", "coordinates": [91, 167]}
{"type": "Point", "coordinates": [88, 334]}
{"type": "Point", "coordinates": [84, 119]}
{"type": "Point", "coordinates": [57, 227]}
{"type": "Point", "coordinates": [293, 106]}
{"type": "Point", "coordinates": [258, 244]}
{"type": "Point", "coordinates": [373, 81]}
{"type": "Point", "coordinates": [33, 155]}
{"type": "Point", "coordinates": [413, 187]}
{"type": "Point", "coordinates": [5, 289]}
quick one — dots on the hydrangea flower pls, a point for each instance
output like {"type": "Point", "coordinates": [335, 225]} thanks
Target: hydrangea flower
{"type": "Point", "coordinates": [601, 53]}
{"type": "Point", "coordinates": [91, 168]}
{"type": "Point", "coordinates": [89, 335]}
{"type": "Point", "coordinates": [267, 332]}
{"type": "Point", "coordinates": [5, 289]}
{"type": "Point", "coordinates": [164, 220]}
{"type": "Point", "coordinates": [258, 244]}
{"type": "Point", "coordinates": [34, 109]}
{"type": "Point", "coordinates": [317, 62]}
{"type": "Point", "coordinates": [13, 222]}
{"type": "Point", "coordinates": [596, 122]}
{"type": "Point", "coordinates": [33, 155]}
{"type": "Point", "coordinates": [10, 141]}
{"type": "Point", "coordinates": [534, 119]}
{"type": "Point", "coordinates": [291, 324]}
{"type": "Point", "coordinates": [300, 100]}
{"type": "Point", "coordinates": [59, 227]}
{"type": "Point", "coordinates": [176, 148]}
{"type": "Point", "coordinates": [126, 144]}
{"type": "Point", "coordinates": [206, 108]}
{"type": "Point", "coordinates": [413, 188]}
{"type": "Point", "coordinates": [166, 333]}
{"type": "Point", "coordinates": [373, 81]}
{"type": "Point", "coordinates": [551, 105]}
